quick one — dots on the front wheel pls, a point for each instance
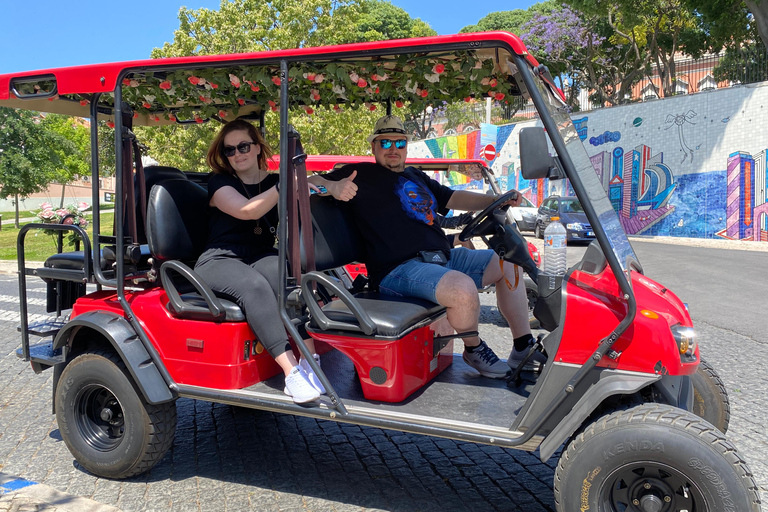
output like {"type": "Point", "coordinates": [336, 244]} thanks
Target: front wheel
{"type": "Point", "coordinates": [653, 458]}
{"type": "Point", "coordinates": [537, 231]}
{"type": "Point", "coordinates": [107, 425]}
{"type": "Point", "coordinates": [710, 398]}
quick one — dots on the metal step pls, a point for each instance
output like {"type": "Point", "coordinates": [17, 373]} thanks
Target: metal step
{"type": "Point", "coordinates": [42, 355]}
{"type": "Point", "coordinates": [44, 328]}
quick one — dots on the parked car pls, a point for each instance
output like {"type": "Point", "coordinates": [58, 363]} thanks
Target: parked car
{"type": "Point", "coordinates": [525, 215]}
{"type": "Point", "coordinates": [569, 212]}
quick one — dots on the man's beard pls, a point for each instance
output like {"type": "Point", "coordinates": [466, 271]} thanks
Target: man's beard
{"type": "Point", "coordinates": [393, 167]}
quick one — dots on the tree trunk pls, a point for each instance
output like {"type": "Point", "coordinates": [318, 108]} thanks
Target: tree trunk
{"type": "Point", "coordinates": [16, 204]}
{"type": "Point", "coordinates": [759, 9]}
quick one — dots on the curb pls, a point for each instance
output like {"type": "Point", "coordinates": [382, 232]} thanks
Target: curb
{"type": "Point", "coordinates": [20, 494]}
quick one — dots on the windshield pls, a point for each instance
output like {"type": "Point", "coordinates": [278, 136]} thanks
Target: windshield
{"type": "Point", "coordinates": [571, 206]}
{"type": "Point", "coordinates": [596, 192]}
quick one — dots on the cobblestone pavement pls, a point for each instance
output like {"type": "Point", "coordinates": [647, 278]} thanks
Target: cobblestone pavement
{"type": "Point", "coordinates": [233, 459]}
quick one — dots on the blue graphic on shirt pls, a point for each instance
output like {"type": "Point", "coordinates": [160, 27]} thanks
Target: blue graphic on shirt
{"type": "Point", "coordinates": [418, 202]}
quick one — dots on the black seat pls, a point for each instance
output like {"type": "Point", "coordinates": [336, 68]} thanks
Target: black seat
{"type": "Point", "coordinates": [177, 231]}
{"type": "Point", "coordinates": [337, 242]}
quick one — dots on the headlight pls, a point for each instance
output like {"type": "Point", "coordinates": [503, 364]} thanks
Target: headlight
{"type": "Point", "coordinates": [575, 226]}
{"type": "Point", "coordinates": [686, 341]}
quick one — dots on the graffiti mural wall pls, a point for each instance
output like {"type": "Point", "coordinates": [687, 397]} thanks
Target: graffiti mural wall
{"type": "Point", "coordinates": [689, 166]}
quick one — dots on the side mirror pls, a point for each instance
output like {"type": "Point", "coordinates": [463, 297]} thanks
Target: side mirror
{"type": "Point", "coordinates": [535, 162]}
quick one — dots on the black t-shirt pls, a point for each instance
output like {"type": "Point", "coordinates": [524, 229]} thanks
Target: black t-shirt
{"type": "Point", "coordinates": [395, 213]}
{"type": "Point", "coordinates": [232, 237]}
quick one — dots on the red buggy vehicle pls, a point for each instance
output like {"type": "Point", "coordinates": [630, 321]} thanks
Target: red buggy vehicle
{"type": "Point", "coordinates": [622, 359]}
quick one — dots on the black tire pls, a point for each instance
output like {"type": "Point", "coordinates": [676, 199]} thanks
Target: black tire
{"type": "Point", "coordinates": [710, 398]}
{"type": "Point", "coordinates": [653, 457]}
{"type": "Point", "coordinates": [532, 292]}
{"type": "Point", "coordinates": [537, 231]}
{"type": "Point", "coordinates": [106, 423]}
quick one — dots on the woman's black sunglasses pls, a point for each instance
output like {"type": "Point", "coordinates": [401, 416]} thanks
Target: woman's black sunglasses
{"type": "Point", "coordinates": [387, 143]}
{"type": "Point", "coordinates": [243, 147]}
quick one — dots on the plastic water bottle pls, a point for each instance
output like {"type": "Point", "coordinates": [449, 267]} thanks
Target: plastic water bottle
{"type": "Point", "coordinates": [554, 264]}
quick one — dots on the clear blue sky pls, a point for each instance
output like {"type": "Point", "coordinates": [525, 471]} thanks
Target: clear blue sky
{"type": "Point", "coordinates": [46, 33]}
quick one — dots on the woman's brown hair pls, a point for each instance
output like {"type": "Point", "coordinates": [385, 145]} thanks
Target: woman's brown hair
{"type": "Point", "coordinates": [216, 159]}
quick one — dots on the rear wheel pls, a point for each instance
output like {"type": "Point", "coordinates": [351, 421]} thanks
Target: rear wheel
{"type": "Point", "coordinates": [537, 231]}
{"type": "Point", "coordinates": [106, 423]}
{"type": "Point", "coordinates": [710, 398]}
{"type": "Point", "coordinates": [653, 458]}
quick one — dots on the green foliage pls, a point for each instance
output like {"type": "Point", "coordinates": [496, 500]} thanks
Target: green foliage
{"type": "Point", "coordinates": [30, 153]}
{"type": "Point", "coordinates": [511, 21]}
{"type": "Point", "coordinates": [75, 157]}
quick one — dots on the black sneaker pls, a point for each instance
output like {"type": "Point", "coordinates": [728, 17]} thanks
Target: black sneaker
{"type": "Point", "coordinates": [485, 361]}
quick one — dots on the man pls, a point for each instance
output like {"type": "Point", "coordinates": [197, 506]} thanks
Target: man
{"type": "Point", "coordinates": [407, 253]}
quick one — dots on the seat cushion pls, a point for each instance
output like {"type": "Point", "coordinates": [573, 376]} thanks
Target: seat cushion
{"type": "Point", "coordinates": [73, 260]}
{"type": "Point", "coordinates": [393, 316]}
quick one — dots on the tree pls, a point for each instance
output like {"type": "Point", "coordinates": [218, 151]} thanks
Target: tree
{"type": "Point", "coordinates": [27, 162]}
{"type": "Point", "coordinates": [509, 21]}
{"type": "Point", "coordinates": [562, 41]}
{"type": "Point", "coordinates": [249, 26]}
{"type": "Point", "coordinates": [75, 157]}
{"type": "Point", "coordinates": [638, 37]}
{"type": "Point", "coordinates": [732, 22]}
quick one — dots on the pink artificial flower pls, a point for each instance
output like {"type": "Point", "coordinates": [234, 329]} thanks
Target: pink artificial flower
{"type": "Point", "coordinates": [46, 206]}
{"type": "Point", "coordinates": [82, 206]}
{"type": "Point", "coordinates": [194, 80]}
{"type": "Point", "coordinates": [172, 118]}
{"type": "Point", "coordinates": [315, 94]}
{"type": "Point", "coordinates": [309, 110]}
{"type": "Point", "coordinates": [111, 124]}
{"type": "Point", "coordinates": [319, 78]}
{"type": "Point", "coordinates": [375, 77]}
{"type": "Point", "coordinates": [205, 99]}
{"type": "Point", "coordinates": [485, 81]}
{"type": "Point", "coordinates": [310, 76]}
{"type": "Point", "coordinates": [146, 105]}
{"type": "Point", "coordinates": [424, 93]}
{"type": "Point", "coordinates": [276, 81]}
{"type": "Point", "coordinates": [499, 96]}
{"type": "Point", "coordinates": [438, 68]}
{"type": "Point", "coordinates": [336, 108]}
{"type": "Point", "coordinates": [198, 120]}
{"type": "Point", "coordinates": [274, 109]}
{"type": "Point", "coordinates": [135, 115]}
{"type": "Point", "coordinates": [493, 82]}
{"type": "Point", "coordinates": [362, 83]}
{"type": "Point", "coordinates": [240, 101]}
{"type": "Point", "coordinates": [399, 104]}
{"type": "Point", "coordinates": [354, 76]}
{"type": "Point", "coordinates": [126, 82]}
{"type": "Point", "coordinates": [157, 118]}
{"type": "Point", "coordinates": [371, 107]}
{"type": "Point", "coordinates": [165, 85]}
{"type": "Point", "coordinates": [83, 222]}
{"type": "Point", "coordinates": [235, 81]}
{"type": "Point", "coordinates": [468, 99]}
{"type": "Point", "coordinates": [213, 85]}
{"type": "Point", "coordinates": [222, 113]}
{"type": "Point", "coordinates": [84, 102]}
{"type": "Point", "coordinates": [377, 90]}
{"type": "Point", "coordinates": [61, 212]}
{"type": "Point", "coordinates": [272, 104]}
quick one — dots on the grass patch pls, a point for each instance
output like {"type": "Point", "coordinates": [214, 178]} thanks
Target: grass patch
{"type": "Point", "coordinates": [37, 245]}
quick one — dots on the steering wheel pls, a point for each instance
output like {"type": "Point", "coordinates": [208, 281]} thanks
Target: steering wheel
{"type": "Point", "coordinates": [482, 222]}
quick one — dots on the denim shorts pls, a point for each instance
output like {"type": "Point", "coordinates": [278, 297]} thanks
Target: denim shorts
{"type": "Point", "coordinates": [414, 278]}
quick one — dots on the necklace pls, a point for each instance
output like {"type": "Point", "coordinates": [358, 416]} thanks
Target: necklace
{"type": "Point", "coordinates": [257, 230]}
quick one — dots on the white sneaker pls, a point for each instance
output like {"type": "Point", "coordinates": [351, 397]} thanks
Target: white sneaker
{"type": "Point", "coordinates": [311, 376]}
{"type": "Point", "coordinates": [297, 386]}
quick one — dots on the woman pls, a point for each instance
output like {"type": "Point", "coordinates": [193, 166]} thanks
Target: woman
{"type": "Point", "coordinates": [240, 261]}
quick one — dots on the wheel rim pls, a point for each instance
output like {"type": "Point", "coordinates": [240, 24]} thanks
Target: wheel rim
{"type": "Point", "coordinates": [99, 417]}
{"type": "Point", "coordinates": [650, 487]}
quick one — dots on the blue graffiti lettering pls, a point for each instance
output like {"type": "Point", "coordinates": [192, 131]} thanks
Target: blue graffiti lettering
{"type": "Point", "coordinates": [605, 138]}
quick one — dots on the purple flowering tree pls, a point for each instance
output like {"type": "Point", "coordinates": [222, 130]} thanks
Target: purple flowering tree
{"type": "Point", "coordinates": [563, 42]}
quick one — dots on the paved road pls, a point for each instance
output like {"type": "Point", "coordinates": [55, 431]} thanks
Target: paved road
{"type": "Point", "coordinates": [231, 459]}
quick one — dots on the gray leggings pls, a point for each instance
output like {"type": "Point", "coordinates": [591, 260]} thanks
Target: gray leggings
{"type": "Point", "coordinates": [252, 285]}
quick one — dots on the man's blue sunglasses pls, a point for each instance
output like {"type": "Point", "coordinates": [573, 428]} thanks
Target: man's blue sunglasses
{"type": "Point", "coordinates": [387, 143]}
